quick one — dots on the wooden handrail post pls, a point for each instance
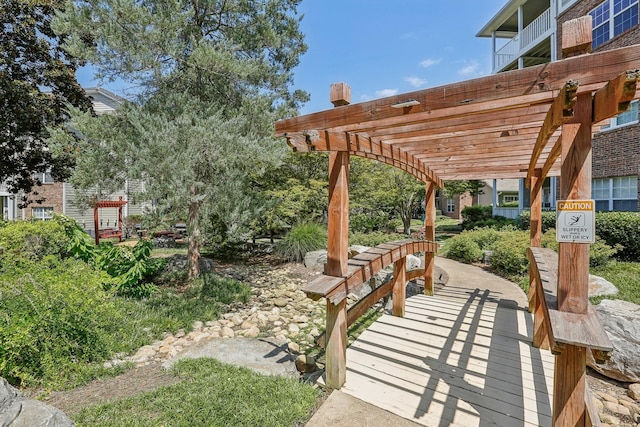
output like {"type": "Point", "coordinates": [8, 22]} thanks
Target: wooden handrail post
{"type": "Point", "coordinates": [336, 352]}
{"type": "Point", "coordinates": [399, 286]}
{"type": "Point", "coordinates": [573, 258]}
{"type": "Point", "coordinates": [430, 235]}
{"type": "Point", "coordinates": [535, 227]}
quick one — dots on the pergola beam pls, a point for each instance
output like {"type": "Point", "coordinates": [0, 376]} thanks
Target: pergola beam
{"type": "Point", "coordinates": [587, 69]}
{"type": "Point", "coordinates": [560, 111]}
{"type": "Point", "coordinates": [615, 97]}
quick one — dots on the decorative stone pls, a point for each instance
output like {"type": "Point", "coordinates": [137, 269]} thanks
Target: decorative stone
{"type": "Point", "coordinates": [617, 409]}
{"type": "Point", "coordinates": [634, 391]}
{"type": "Point", "coordinates": [315, 259]}
{"type": "Point", "coordinates": [305, 363]}
{"type": "Point", "coordinates": [281, 302]}
{"type": "Point", "coordinates": [599, 286]}
{"type": "Point", "coordinates": [16, 410]}
{"type": "Point", "coordinates": [606, 397]}
{"type": "Point", "coordinates": [227, 332]}
{"type": "Point", "coordinates": [252, 332]}
{"type": "Point", "coordinates": [294, 348]}
{"type": "Point", "coordinates": [621, 320]}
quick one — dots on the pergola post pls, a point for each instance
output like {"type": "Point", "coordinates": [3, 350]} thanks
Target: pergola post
{"type": "Point", "coordinates": [337, 252]}
{"type": "Point", "coordinates": [573, 258]}
{"type": "Point", "coordinates": [535, 227]}
{"type": "Point", "coordinates": [429, 235]}
{"type": "Point", "coordinates": [399, 286]}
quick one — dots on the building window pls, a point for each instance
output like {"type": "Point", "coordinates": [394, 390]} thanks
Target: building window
{"type": "Point", "coordinates": [611, 18]}
{"type": "Point", "coordinates": [629, 117]}
{"type": "Point", "coordinates": [43, 177]}
{"type": "Point", "coordinates": [42, 213]}
{"type": "Point", "coordinates": [451, 206]}
{"type": "Point", "coordinates": [615, 194]}
{"type": "Point", "coordinates": [510, 198]}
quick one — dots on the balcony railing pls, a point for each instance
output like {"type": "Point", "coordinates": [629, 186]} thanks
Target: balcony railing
{"type": "Point", "coordinates": [531, 35]}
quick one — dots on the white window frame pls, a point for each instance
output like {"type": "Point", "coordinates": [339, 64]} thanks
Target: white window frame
{"type": "Point", "coordinates": [609, 20]}
{"type": "Point", "coordinates": [565, 4]}
{"type": "Point", "coordinates": [451, 206]}
{"type": "Point", "coordinates": [510, 198]}
{"type": "Point", "coordinates": [42, 213]}
{"type": "Point", "coordinates": [43, 177]}
{"type": "Point", "coordinates": [613, 122]}
{"type": "Point", "coordinates": [609, 188]}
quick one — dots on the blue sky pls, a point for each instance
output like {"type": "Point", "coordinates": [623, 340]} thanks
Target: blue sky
{"type": "Point", "coordinates": [383, 47]}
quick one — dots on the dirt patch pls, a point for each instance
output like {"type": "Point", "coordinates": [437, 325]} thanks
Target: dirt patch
{"type": "Point", "coordinates": [127, 384]}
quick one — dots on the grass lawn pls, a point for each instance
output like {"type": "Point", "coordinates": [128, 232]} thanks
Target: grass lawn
{"type": "Point", "coordinates": [625, 276]}
{"type": "Point", "coordinates": [211, 393]}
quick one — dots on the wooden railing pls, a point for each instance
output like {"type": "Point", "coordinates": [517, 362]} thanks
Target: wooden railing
{"type": "Point", "coordinates": [557, 330]}
{"type": "Point", "coordinates": [361, 268]}
{"type": "Point", "coordinates": [530, 35]}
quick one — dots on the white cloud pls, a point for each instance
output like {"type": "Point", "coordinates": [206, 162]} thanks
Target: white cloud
{"type": "Point", "coordinates": [415, 81]}
{"type": "Point", "coordinates": [470, 67]}
{"type": "Point", "coordinates": [426, 63]}
{"type": "Point", "coordinates": [386, 92]}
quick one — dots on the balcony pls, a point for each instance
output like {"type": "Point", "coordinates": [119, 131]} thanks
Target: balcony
{"type": "Point", "coordinates": [531, 36]}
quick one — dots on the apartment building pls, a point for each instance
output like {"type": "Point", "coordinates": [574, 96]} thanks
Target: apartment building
{"type": "Point", "coordinates": [61, 197]}
{"type": "Point", "coordinates": [529, 32]}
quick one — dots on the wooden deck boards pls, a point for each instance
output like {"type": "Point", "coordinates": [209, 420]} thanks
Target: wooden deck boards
{"type": "Point", "coordinates": [460, 358]}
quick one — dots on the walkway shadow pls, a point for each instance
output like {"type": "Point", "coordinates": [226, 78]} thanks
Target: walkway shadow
{"type": "Point", "coordinates": [462, 357]}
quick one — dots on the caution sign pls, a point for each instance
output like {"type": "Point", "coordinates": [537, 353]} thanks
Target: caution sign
{"type": "Point", "coordinates": [576, 221]}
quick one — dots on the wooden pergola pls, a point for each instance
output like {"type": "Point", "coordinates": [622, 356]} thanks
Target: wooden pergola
{"type": "Point", "coordinates": [529, 123]}
{"type": "Point", "coordinates": [108, 233]}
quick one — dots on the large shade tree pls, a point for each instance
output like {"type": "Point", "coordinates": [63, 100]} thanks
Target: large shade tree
{"type": "Point", "coordinates": [37, 82]}
{"type": "Point", "coordinates": [213, 76]}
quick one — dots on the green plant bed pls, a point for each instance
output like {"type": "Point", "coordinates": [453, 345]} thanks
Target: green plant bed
{"type": "Point", "coordinates": [211, 393]}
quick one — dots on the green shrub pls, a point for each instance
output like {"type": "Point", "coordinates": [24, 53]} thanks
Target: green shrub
{"type": "Point", "coordinates": [510, 253]}
{"type": "Point", "coordinates": [484, 237]}
{"type": "Point", "coordinates": [548, 220]}
{"type": "Point", "coordinates": [33, 240]}
{"type": "Point", "coordinates": [374, 238]}
{"type": "Point", "coordinates": [367, 222]}
{"type": "Point", "coordinates": [620, 228]}
{"type": "Point", "coordinates": [600, 253]}
{"type": "Point", "coordinates": [54, 315]}
{"type": "Point", "coordinates": [301, 239]}
{"type": "Point", "coordinates": [463, 248]}
{"type": "Point", "coordinates": [471, 214]}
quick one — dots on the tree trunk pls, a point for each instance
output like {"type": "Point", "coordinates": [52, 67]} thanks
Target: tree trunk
{"type": "Point", "coordinates": [194, 234]}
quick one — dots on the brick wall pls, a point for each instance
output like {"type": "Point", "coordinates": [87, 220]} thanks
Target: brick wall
{"type": "Point", "coordinates": [615, 152]}
{"type": "Point", "coordinates": [583, 7]}
{"type": "Point", "coordinates": [52, 193]}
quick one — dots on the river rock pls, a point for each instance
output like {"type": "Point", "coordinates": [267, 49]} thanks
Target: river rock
{"type": "Point", "coordinates": [599, 286]}
{"type": "Point", "coordinates": [315, 259]}
{"type": "Point", "coordinates": [16, 410]}
{"type": "Point", "coordinates": [621, 320]}
{"type": "Point", "coordinates": [634, 391]}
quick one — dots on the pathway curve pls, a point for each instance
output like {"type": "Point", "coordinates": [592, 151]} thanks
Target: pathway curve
{"type": "Point", "coordinates": [462, 357]}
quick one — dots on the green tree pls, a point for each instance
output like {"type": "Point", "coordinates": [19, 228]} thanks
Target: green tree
{"type": "Point", "coordinates": [37, 81]}
{"type": "Point", "coordinates": [378, 186]}
{"type": "Point", "coordinates": [213, 75]}
{"type": "Point", "coordinates": [456, 188]}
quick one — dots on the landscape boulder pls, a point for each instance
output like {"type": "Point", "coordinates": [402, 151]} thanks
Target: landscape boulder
{"type": "Point", "coordinates": [178, 262]}
{"type": "Point", "coordinates": [18, 411]}
{"type": "Point", "coordinates": [599, 286]}
{"type": "Point", "coordinates": [621, 320]}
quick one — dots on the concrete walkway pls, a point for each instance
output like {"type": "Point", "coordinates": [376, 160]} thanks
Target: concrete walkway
{"type": "Point", "coordinates": [462, 357]}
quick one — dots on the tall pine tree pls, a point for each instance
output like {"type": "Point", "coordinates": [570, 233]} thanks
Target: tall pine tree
{"type": "Point", "coordinates": [214, 75]}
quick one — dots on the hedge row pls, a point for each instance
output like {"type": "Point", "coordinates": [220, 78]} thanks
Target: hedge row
{"type": "Point", "coordinates": [618, 229]}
